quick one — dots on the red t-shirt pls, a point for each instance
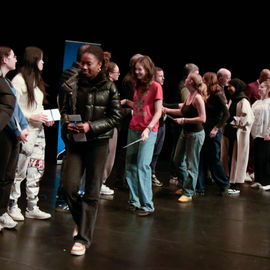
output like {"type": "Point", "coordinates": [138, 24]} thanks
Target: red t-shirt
{"type": "Point", "coordinates": [144, 107]}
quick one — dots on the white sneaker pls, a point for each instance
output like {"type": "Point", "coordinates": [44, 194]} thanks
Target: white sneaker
{"type": "Point", "coordinates": [15, 213]}
{"type": "Point", "coordinates": [78, 249]}
{"type": "Point", "coordinates": [106, 190]}
{"type": "Point", "coordinates": [7, 222]}
{"type": "Point", "coordinates": [36, 213]}
{"type": "Point", "coordinates": [256, 185]}
{"type": "Point", "coordinates": [267, 187]}
{"type": "Point", "coordinates": [248, 178]}
{"type": "Point", "coordinates": [233, 192]}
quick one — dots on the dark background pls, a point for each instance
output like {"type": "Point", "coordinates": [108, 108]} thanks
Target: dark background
{"type": "Point", "coordinates": [222, 37]}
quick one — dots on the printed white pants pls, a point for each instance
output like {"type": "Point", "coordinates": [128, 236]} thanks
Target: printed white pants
{"type": "Point", "coordinates": [30, 167]}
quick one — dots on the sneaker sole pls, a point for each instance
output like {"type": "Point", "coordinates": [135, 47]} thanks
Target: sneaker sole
{"type": "Point", "coordinates": [35, 217]}
{"type": "Point", "coordinates": [9, 227]}
{"type": "Point", "coordinates": [17, 219]}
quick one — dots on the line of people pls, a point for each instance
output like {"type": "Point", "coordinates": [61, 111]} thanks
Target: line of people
{"type": "Point", "coordinates": [214, 119]}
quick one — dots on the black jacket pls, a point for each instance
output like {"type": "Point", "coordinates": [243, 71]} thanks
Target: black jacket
{"type": "Point", "coordinates": [7, 103]}
{"type": "Point", "coordinates": [97, 101]}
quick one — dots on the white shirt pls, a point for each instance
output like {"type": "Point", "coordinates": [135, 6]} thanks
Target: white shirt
{"type": "Point", "coordinates": [261, 125]}
{"type": "Point", "coordinates": [22, 97]}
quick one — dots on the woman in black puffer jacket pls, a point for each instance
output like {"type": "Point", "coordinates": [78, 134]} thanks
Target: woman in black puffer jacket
{"type": "Point", "coordinates": [90, 95]}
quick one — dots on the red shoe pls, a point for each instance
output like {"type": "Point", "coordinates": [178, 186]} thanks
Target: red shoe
{"type": "Point", "coordinates": [78, 249]}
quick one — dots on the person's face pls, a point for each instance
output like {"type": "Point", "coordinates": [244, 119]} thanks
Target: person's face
{"type": "Point", "coordinates": [11, 61]}
{"type": "Point", "coordinates": [226, 77]}
{"type": "Point", "coordinates": [114, 75]}
{"type": "Point", "coordinates": [90, 65]}
{"type": "Point", "coordinates": [188, 82]}
{"type": "Point", "coordinates": [139, 71]}
{"type": "Point", "coordinates": [231, 89]}
{"type": "Point", "coordinates": [40, 64]}
{"type": "Point", "coordinates": [263, 91]}
{"type": "Point", "coordinates": [160, 77]}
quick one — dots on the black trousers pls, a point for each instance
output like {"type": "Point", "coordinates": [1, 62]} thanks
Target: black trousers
{"type": "Point", "coordinates": [9, 153]}
{"type": "Point", "coordinates": [89, 156]}
{"type": "Point", "coordinates": [262, 161]}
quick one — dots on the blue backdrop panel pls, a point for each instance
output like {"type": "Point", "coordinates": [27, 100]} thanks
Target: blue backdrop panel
{"type": "Point", "coordinates": [70, 55]}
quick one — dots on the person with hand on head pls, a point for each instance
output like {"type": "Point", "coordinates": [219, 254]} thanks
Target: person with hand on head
{"type": "Point", "coordinates": [30, 90]}
{"type": "Point", "coordinates": [96, 100]}
{"type": "Point", "coordinates": [147, 109]}
{"type": "Point", "coordinates": [13, 131]}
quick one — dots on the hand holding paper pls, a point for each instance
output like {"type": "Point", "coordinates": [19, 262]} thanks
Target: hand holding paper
{"type": "Point", "coordinates": [52, 115]}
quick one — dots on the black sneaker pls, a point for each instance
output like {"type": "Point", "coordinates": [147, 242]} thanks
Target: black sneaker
{"type": "Point", "coordinates": [142, 213]}
{"type": "Point", "coordinates": [156, 182]}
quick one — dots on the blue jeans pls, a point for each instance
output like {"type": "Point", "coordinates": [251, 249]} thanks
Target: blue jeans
{"type": "Point", "coordinates": [158, 147]}
{"type": "Point", "coordinates": [138, 170]}
{"type": "Point", "coordinates": [210, 159]}
{"type": "Point", "coordinates": [187, 158]}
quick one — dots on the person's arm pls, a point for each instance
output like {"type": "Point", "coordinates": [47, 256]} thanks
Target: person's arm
{"type": "Point", "coordinates": [127, 102]}
{"type": "Point", "coordinates": [7, 103]}
{"type": "Point", "coordinates": [200, 107]}
{"type": "Point", "coordinates": [155, 119]}
{"type": "Point", "coordinates": [222, 117]}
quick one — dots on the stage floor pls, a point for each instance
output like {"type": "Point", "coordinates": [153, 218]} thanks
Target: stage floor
{"type": "Point", "coordinates": [212, 232]}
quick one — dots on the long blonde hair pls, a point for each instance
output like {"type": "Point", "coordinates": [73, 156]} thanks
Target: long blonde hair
{"type": "Point", "coordinates": [198, 84]}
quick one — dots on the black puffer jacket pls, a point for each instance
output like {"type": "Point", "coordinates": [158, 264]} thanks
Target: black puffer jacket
{"type": "Point", "coordinates": [97, 101]}
{"type": "Point", "coordinates": [7, 102]}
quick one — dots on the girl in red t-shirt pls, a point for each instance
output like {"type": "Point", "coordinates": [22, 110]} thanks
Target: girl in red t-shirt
{"type": "Point", "coordinates": [147, 109]}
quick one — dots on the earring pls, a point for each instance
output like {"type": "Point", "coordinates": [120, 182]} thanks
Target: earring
{"type": "Point", "coordinates": [99, 69]}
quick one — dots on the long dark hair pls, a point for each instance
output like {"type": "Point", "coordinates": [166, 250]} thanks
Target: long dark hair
{"type": "Point", "coordinates": [31, 73]}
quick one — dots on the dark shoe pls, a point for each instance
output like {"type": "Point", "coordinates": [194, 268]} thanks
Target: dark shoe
{"type": "Point", "coordinates": [132, 208]}
{"type": "Point", "coordinates": [230, 192]}
{"type": "Point", "coordinates": [199, 193]}
{"type": "Point", "coordinates": [142, 213]}
{"type": "Point", "coordinates": [62, 207]}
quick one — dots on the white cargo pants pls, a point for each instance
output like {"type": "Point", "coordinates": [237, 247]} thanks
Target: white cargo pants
{"type": "Point", "coordinates": [30, 167]}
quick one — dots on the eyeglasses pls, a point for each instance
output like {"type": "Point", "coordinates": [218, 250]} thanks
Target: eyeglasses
{"type": "Point", "coordinates": [12, 56]}
{"type": "Point", "coordinates": [116, 72]}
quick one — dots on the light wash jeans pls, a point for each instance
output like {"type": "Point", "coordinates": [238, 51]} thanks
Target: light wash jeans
{"type": "Point", "coordinates": [138, 170]}
{"type": "Point", "coordinates": [187, 158]}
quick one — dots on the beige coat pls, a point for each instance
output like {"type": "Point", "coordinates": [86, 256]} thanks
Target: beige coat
{"type": "Point", "coordinates": [243, 121]}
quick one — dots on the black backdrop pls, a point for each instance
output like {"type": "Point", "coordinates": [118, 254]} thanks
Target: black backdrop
{"type": "Point", "coordinates": [240, 46]}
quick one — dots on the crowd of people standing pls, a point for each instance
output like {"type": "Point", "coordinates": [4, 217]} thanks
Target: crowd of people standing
{"type": "Point", "coordinates": [223, 134]}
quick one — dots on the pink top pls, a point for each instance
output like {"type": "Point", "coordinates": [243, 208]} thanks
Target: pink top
{"type": "Point", "coordinates": [144, 107]}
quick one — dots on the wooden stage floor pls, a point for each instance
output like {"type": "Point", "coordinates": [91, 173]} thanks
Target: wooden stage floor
{"type": "Point", "coordinates": [212, 232]}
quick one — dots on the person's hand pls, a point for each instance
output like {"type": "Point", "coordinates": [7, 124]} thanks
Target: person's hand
{"type": "Point", "coordinates": [213, 132]}
{"type": "Point", "coordinates": [23, 136]}
{"type": "Point", "coordinates": [179, 121]}
{"type": "Point", "coordinates": [266, 137]}
{"type": "Point", "coordinates": [83, 127]}
{"type": "Point", "coordinates": [49, 123]}
{"type": "Point", "coordinates": [72, 128]}
{"type": "Point", "coordinates": [39, 117]}
{"type": "Point", "coordinates": [145, 134]}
